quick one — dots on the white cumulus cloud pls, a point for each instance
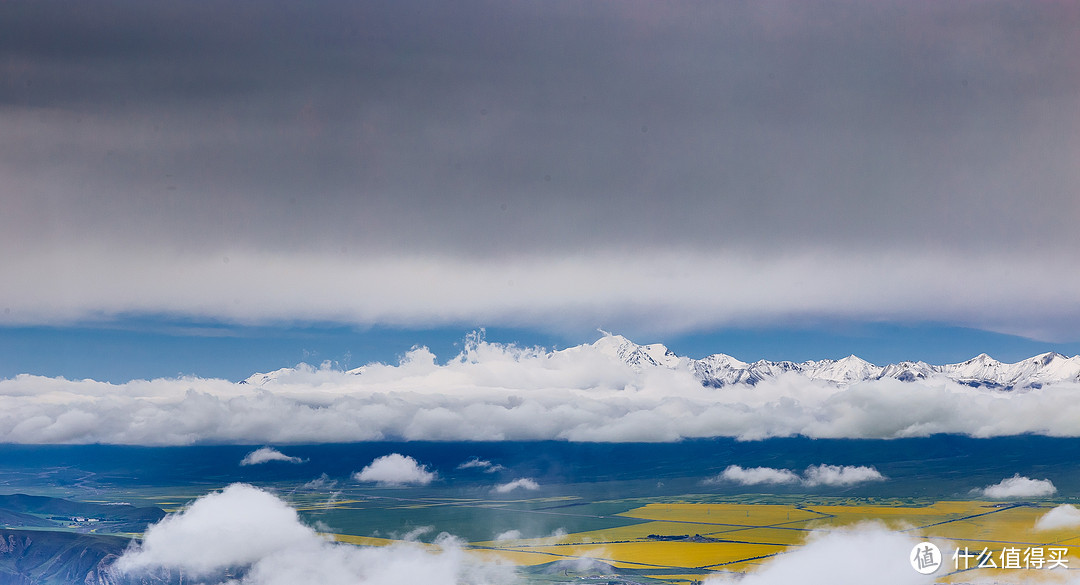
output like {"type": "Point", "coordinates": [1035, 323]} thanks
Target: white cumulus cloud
{"type": "Point", "coordinates": [755, 476]}
{"type": "Point", "coordinates": [1019, 487]}
{"type": "Point", "coordinates": [522, 483]}
{"type": "Point", "coordinates": [864, 554]}
{"type": "Point", "coordinates": [1063, 516]}
{"type": "Point", "coordinates": [857, 556]}
{"type": "Point", "coordinates": [235, 527]}
{"type": "Point", "coordinates": [395, 469]}
{"type": "Point", "coordinates": [267, 454]}
{"type": "Point", "coordinates": [248, 530]}
{"type": "Point", "coordinates": [835, 475]}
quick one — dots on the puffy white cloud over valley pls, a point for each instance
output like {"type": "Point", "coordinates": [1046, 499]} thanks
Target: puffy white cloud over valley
{"type": "Point", "coordinates": [395, 469]}
{"type": "Point", "coordinates": [856, 556]}
{"type": "Point", "coordinates": [1019, 487]}
{"type": "Point", "coordinates": [235, 527]}
{"type": "Point", "coordinates": [246, 529]}
{"type": "Point", "coordinates": [835, 475]}
{"type": "Point", "coordinates": [815, 475]}
{"type": "Point", "coordinates": [755, 476]}
{"type": "Point", "coordinates": [1063, 516]}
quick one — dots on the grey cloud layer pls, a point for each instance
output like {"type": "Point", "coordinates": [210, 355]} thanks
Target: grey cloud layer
{"type": "Point", "coordinates": [654, 292]}
{"type": "Point", "coordinates": [381, 127]}
{"type": "Point", "coordinates": [387, 132]}
{"type": "Point", "coordinates": [498, 393]}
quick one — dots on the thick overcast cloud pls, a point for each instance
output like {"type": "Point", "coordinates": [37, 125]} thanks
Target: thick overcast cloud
{"type": "Point", "coordinates": [558, 163]}
{"type": "Point", "coordinates": [495, 392]}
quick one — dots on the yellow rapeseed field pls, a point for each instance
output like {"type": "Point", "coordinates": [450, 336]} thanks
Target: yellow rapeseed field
{"type": "Point", "coordinates": [695, 539]}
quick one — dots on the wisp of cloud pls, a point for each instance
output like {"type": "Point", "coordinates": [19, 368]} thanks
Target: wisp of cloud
{"type": "Point", "coordinates": [522, 483]}
{"type": "Point", "coordinates": [266, 455]}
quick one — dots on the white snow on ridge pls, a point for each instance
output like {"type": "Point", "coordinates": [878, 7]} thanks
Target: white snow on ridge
{"type": "Point", "coordinates": [983, 370]}
{"type": "Point", "coordinates": [637, 356]}
{"type": "Point", "coordinates": [719, 370]}
{"type": "Point", "coordinates": [723, 370]}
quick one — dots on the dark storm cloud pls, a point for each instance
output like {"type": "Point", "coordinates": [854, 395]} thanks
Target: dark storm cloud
{"type": "Point", "coordinates": [523, 125]}
{"type": "Point", "coordinates": [478, 129]}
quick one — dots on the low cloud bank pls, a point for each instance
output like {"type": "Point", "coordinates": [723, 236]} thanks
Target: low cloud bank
{"type": "Point", "coordinates": [395, 469]}
{"type": "Point", "coordinates": [502, 392]}
{"type": "Point", "coordinates": [266, 455]}
{"type": "Point", "coordinates": [815, 475]}
{"type": "Point", "coordinates": [694, 289]}
{"type": "Point", "coordinates": [864, 554]}
{"type": "Point", "coordinates": [247, 530]}
{"type": "Point", "coordinates": [1019, 487]}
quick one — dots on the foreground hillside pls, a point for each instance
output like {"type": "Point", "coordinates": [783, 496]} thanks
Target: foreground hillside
{"type": "Point", "coordinates": [53, 541]}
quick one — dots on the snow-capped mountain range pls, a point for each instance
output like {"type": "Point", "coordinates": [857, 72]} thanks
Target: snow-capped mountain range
{"type": "Point", "coordinates": [719, 370]}
{"type": "Point", "coordinates": [722, 370]}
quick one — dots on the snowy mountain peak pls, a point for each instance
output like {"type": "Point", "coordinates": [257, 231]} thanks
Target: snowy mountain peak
{"type": "Point", "coordinates": [724, 360]}
{"type": "Point", "coordinates": [1047, 358]}
{"type": "Point", "coordinates": [843, 371]}
{"type": "Point", "coordinates": [267, 377]}
{"type": "Point", "coordinates": [638, 356]}
{"type": "Point", "coordinates": [612, 344]}
{"type": "Point", "coordinates": [719, 369]}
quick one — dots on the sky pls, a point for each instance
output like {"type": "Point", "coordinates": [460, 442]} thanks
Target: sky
{"type": "Point", "coordinates": [217, 188]}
